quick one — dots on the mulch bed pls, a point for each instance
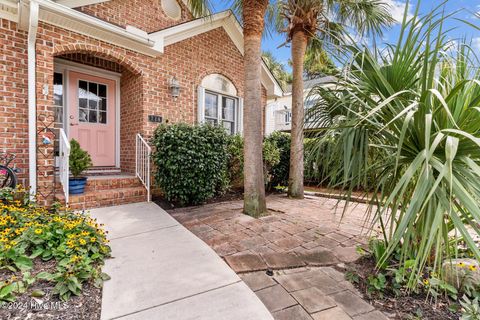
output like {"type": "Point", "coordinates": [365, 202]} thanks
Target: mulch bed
{"type": "Point", "coordinates": [87, 306]}
{"type": "Point", "coordinates": [414, 306]}
{"type": "Point", "coordinates": [231, 195]}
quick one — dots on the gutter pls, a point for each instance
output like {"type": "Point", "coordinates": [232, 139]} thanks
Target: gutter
{"type": "Point", "coordinates": [32, 103]}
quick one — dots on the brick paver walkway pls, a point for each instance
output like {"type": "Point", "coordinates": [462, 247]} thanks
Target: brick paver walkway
{"type": "Point", "coordinates": [302, 240]}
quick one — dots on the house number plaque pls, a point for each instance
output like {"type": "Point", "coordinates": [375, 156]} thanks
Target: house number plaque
{"type": "Point", "coordinates": [154, 118]}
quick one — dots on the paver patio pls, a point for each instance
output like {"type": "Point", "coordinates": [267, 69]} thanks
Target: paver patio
{"type": "Point", "coordinates": [303, 241]}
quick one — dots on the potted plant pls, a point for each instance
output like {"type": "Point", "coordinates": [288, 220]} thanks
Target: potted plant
{"type": "Point", "coordinates": [79, 162]}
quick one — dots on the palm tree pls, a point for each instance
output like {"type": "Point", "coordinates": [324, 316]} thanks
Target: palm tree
{"type": "Point", "coordinates": [277, 69]}
{"type": "Point", "coordinates": [414, 106]}
{"type": "Point", "coordinates": [305, 19]}
{"type": "Point", "coordinates": [253, 14]}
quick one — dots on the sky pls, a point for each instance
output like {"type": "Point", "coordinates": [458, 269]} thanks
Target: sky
{"type": "Point", "coordinates": [469, 7]}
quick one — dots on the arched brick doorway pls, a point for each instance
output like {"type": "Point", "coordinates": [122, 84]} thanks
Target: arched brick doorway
{"type": "Point", "coordinates": [97, 98]}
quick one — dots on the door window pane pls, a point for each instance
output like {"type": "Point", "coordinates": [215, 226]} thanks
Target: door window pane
{"type": "Point", "coordinates": [102, 104]}
{"type": "Point", "coordinates": [102, 90]}
{"type": "Point", "coordinates": [82, 115]}
{"type": "Point", "coordinates": [92, 116]}
{"type": "Point", "coordinates": [92, 102]}
{"type": "Point", "coordinates": [93, 88]}
{"type": "Point", "coordinates": [103, 117]}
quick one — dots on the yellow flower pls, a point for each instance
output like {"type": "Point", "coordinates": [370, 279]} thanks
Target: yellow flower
{"type": "Point", "coordinates": [38, 231]}
{"type": "Point", "coordinates": [92, 239]}
{"type": "Point", "coordinates": [426, 282]}
{"type": "Point", "coordinates": [75, 258]}
{"type": "Point", "coordinates": [85, 233]}
{"type": "Point", "coordinates": [82, 241]}
{"type": "Point", "coordinates": [7, 246]}
{"type": "Point", "coordinates": [70, 243]}
{"type": "Point", "coordinates": [472, 268]}
{"type": "Point", "coordinates": [461, 264]}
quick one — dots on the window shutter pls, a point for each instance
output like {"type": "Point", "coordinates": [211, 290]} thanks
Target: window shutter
{"type": "Point", "coordinates": [240, 115]}
{"type": "Point", "coordinates": [201, 104]}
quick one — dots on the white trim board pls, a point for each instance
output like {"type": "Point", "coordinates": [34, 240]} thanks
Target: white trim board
{"type": "Point", "coordinates": [81, 3]}
{"type": "Point", "coordinates": [78, 3]}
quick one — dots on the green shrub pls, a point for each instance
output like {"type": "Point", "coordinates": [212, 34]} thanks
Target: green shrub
{"type": "Point", "coordinates": [235, 161]}
{"type": "Point", "coordinates": [271, 158]}
{"type": "Point", "coordinates": [79, 160]}
{"type": "Point", "coordinates": [281, 169]}
{"type": "Point", "coordinates": [190, 162]}
{"type": "Point", "coordinates": [28, 232]}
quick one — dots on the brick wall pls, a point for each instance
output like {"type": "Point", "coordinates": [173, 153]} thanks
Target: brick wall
{"type": "Point", "coordinates": [147, 15]}
{"type": "Point", "coordinates": [13, 95]}
{"type": "Point", "coordinates": [144, 83]}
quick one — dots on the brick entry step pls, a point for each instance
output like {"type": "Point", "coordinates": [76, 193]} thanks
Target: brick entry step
{"type": "Point", "coordinates": [108, 190]}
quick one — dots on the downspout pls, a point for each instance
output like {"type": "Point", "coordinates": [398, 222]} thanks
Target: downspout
{"type": "Point", "coordinates": [32, 103]}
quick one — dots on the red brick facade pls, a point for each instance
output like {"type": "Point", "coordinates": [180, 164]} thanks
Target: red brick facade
{"type": "Point", "coordinates": [144, 80]}
{"type": "Point", "coordinates": [146, 15]}
{"type": "Point", "coordinates": [13, 95]}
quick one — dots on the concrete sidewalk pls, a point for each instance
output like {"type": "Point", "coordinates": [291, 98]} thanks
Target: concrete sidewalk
{"type": "Point", "coordinates": [160, 270]}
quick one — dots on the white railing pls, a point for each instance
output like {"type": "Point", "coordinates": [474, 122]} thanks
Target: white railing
{"type": "Point", "coordinates": [64, 157]}
{"type": "Point", "coordinates": [142, 162]}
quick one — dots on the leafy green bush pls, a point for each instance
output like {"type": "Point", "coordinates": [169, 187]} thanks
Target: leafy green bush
{"type": "Point", "coordinates": [190, 162]}
{"type": "Point", "coordinates": [74, 241]}
{"type": "Point", "coordinates": [279, 171]}
{"type": "Point", "coordinates": [79, 160]}
{"type": "Point", "coordinates": [271, 158]}
{"type": "Point", "coordinates": [235, 161]}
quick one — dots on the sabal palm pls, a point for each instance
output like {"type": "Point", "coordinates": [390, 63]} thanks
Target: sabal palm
{"type": "Point", "coordinates": [253, 18]}
{"type": "Point", "coordinates": [277, 69]}
{"type": "Point", "coordinates": [324, 19]}
{"type": "Point", "coordinates": [415, 106]}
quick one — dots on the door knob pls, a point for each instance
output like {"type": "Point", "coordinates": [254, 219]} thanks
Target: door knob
{"type": "Point", "coordinates": [73, 124]}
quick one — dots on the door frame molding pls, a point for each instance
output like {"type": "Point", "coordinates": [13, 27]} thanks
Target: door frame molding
{"type": "Point", "coordinates": [64, 66]}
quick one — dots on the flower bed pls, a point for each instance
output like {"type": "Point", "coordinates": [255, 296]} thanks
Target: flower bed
{"type": "Point", "coordinates": [53, 246]}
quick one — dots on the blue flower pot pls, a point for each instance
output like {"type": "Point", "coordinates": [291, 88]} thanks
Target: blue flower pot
{"type": "Point", "coordinates": [77, 185]}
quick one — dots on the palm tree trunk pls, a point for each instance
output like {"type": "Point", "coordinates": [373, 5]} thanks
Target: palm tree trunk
{"type": "Point", "coordinates": [295, 181]}
{"type": "Point", "coordinates": [253, 24]}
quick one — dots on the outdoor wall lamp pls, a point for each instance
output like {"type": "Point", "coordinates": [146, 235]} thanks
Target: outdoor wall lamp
{"type": "Point", "coordinates": [174, 87]}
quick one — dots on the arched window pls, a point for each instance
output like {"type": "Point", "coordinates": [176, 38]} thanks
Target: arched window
{"type": "Point", "coordinates": [219, 104]}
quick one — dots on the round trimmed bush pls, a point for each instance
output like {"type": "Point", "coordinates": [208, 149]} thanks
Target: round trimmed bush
{"type": "Point", "coordinates": [190, 162]}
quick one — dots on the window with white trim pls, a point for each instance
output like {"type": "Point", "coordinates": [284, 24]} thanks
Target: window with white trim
{"type": "Point", "coordinates": [221, 110]}
{"type": "Point", "coordinates": [218, 103]}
